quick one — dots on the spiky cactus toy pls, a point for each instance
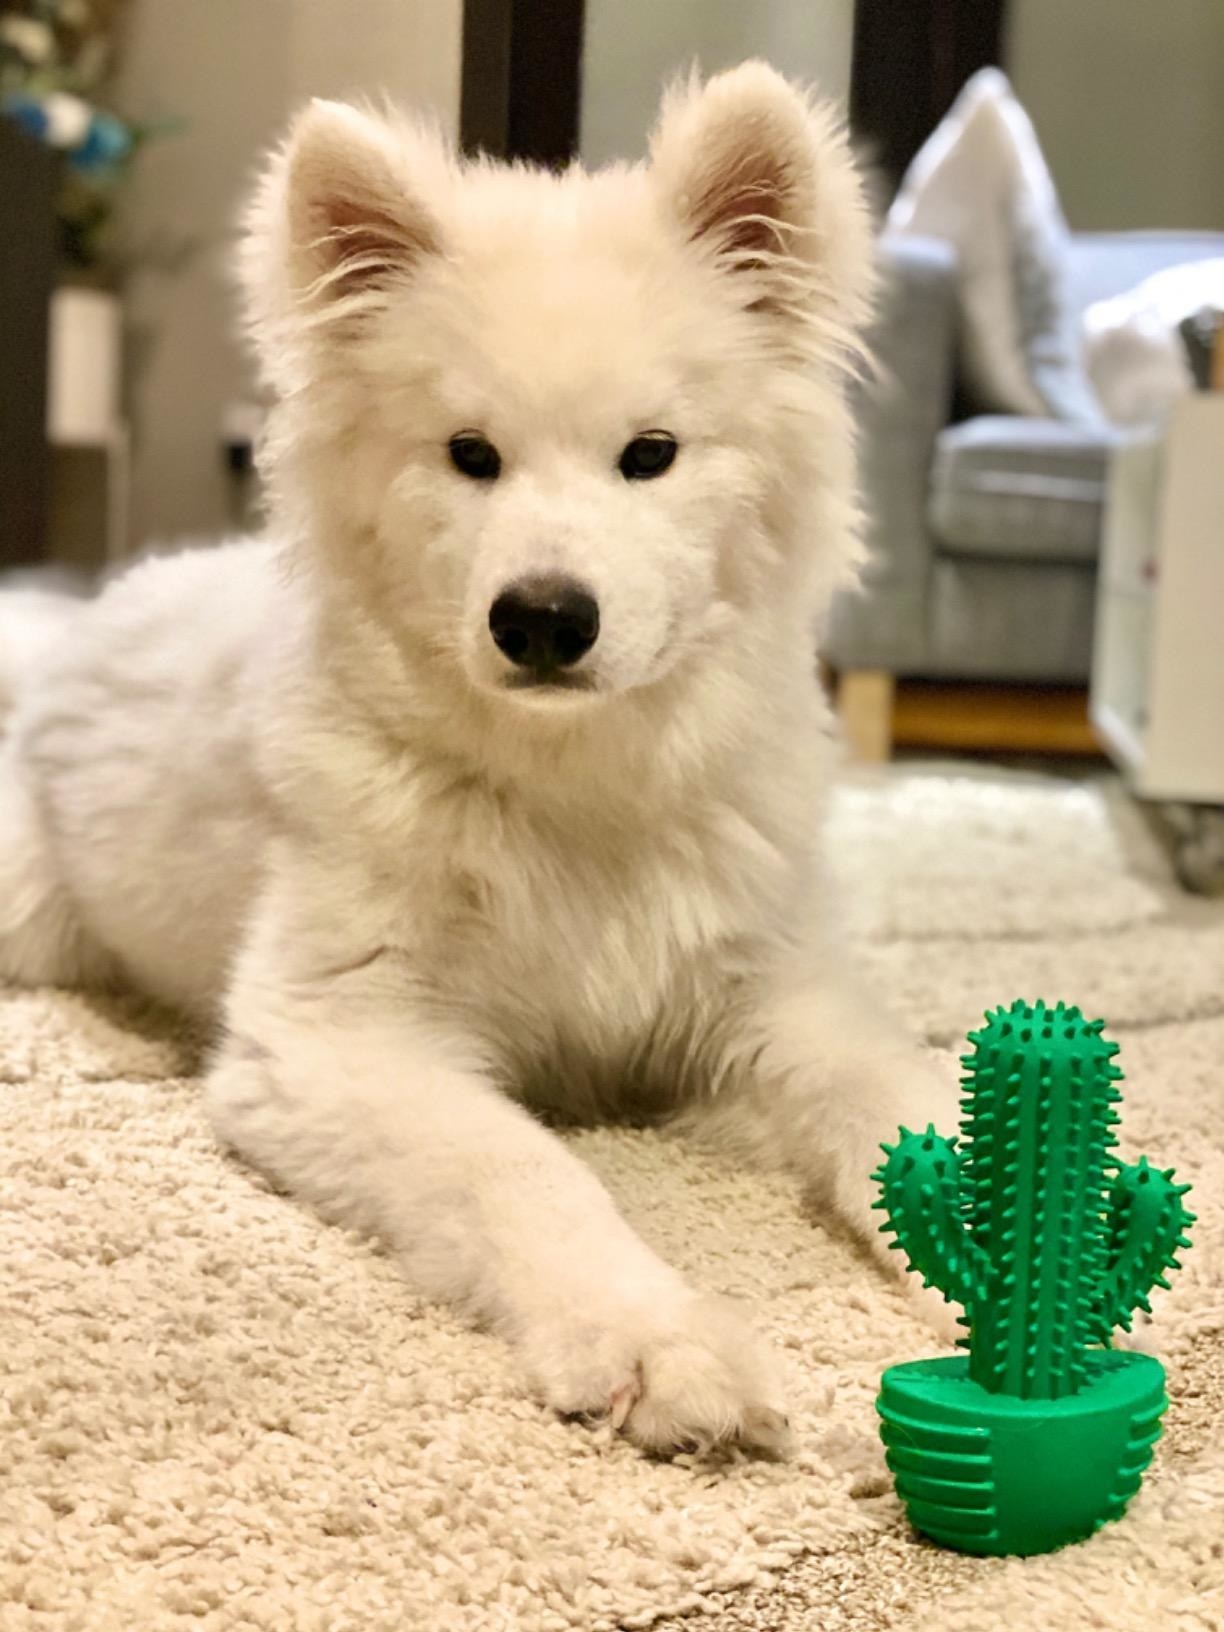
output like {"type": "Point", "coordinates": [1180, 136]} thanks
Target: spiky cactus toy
{"type": "Point", "coordinates": [1042, 1432]}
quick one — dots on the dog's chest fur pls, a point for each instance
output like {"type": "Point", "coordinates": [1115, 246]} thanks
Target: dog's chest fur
{"type": "Point", "coordinates": [596, 959]}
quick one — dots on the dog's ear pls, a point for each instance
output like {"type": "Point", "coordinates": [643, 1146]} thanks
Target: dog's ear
{"type": "Point", "coordinates": [339, 217]}
{"type": "Point", "coordinates": [355, 221]}
{"type": "Point", "coordinates": [764, 180]}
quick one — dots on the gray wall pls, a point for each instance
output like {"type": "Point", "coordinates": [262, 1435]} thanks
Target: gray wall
{"type": "Point", "coordinates": [634, 46]}
{"type": "Point", "coordinates": [231, 71]}
{"type": "Point", "coordinates": [1128, 100]}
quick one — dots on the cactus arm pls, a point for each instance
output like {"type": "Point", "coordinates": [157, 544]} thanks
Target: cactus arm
{"type": "Point", "coordinates": [921, 1196]}
{"type": "Point", "coordinates": [1147, 1223]}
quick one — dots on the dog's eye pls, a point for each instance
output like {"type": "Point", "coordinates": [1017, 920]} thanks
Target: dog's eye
{"type": "Point", "coordinates": [475, 456]}
{"type": "Point", "coordinates": [646, 456]}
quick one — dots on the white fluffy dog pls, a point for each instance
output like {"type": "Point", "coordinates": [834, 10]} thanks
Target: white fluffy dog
{"type": "Point", "coordinates": [493, 786]}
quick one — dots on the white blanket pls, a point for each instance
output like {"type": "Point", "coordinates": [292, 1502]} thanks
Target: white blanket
{"type": "Point", "coordinates": [1134, 354]}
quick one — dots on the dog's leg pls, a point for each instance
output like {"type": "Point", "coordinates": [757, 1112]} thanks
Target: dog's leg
{"type": "Point", "coordinates": [815, 1078]}
{"type": "Point", "coordinates": [390, 1129]}
{"type": "Point", "coordinates": [42, 942]}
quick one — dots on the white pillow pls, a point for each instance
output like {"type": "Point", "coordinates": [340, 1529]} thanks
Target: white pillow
{"type": "Point", "coordinates": [1134, 355]}
{"type": "Point", "coordinates": [981, 183]}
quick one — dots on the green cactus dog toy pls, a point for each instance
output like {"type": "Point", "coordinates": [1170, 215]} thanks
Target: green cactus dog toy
{"type": "Point", "coordinates": [1041, 1433]}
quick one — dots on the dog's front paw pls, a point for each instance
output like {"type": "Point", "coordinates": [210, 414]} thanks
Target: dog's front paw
{"type": "Point", "coordinates": [925, 1093]}
{"type": "Point", "coordinates": [692, 1377]}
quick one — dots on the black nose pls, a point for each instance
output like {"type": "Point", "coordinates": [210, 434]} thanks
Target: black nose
{"type": "Point", "coordinates": [544, 623]}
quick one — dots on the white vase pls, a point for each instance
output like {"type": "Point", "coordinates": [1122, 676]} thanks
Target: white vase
{"type": "Point", "coordinates": [84, 367]}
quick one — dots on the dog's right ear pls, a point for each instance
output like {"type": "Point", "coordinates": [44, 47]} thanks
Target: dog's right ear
{"type": "Point", "coordinates": [338, 220]}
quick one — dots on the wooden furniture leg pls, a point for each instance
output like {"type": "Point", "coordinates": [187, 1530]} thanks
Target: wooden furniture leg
{"type": "Point", "coordinates": [865, 704]}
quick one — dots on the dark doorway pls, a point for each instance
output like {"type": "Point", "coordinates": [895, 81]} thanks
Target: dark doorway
{"type": "Point", "coordinates": [27, 265]}
{"type": "Point", "coordinates": [521, 95]}
{"type": "Point", "coordinates": [910, 59]}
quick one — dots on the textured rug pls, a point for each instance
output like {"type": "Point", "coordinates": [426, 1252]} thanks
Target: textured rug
{"type": "Point", "coordinates": [218, 1413]}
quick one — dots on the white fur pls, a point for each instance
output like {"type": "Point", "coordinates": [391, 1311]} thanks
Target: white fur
{"type": "Point", "coordinates": [286, 780]}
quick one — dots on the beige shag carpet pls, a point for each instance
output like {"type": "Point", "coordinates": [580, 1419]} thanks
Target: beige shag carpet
{"type": "Point", "coordinates": [220, 1414]}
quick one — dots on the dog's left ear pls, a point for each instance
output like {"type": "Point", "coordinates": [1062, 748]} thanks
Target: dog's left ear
{"type": "Point", "coordinates": [764, 179]}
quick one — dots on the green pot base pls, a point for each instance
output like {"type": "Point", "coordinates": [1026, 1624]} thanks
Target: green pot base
{"type": "Point", "coordinates": [993, 1474]}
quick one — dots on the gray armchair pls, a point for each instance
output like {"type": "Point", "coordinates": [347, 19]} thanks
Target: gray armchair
{"type": "Point", "coordinates": [984, 533]}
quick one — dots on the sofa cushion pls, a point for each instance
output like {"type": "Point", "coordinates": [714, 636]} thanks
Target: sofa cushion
{"type": "Point", "coordinates": [981, 182]}
{"type": "Point", "coordinates": [1020, 489]}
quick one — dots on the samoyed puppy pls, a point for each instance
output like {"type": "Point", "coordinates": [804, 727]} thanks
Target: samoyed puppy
{"type": "Point", "coordinates": [485, 792]}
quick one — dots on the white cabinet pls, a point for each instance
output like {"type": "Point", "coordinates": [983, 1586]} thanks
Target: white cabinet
{"type": "Point", "coordinates": [88, 435]}
{"type": "Point", "coordinates": [1157, 697]}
